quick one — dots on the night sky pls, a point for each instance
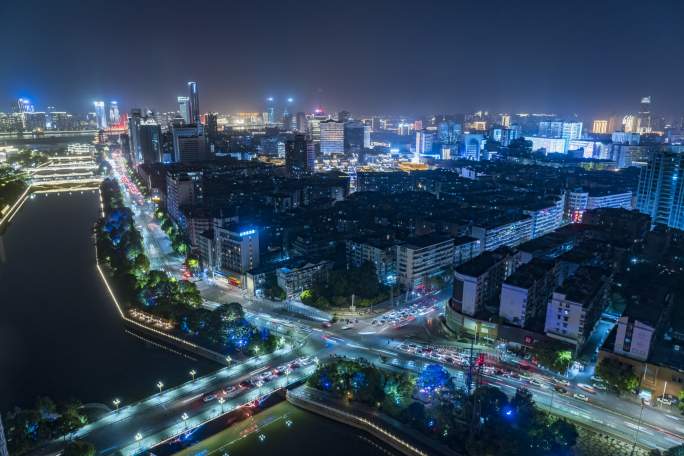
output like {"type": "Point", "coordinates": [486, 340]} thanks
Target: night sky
{"type": "Point", "coordinates": [593, 57]}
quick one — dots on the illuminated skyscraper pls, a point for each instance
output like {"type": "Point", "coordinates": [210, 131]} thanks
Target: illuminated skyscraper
{"type": "Point", "coordinates": [644, 117]}
{"type": "Point", "coordinates": [100, 114]}
{"type": "Point", "coordinates": [287, 115]}
{"type": "Point", "coordinates": [114, 116]}
{"type": "Point", "coordinates": [660, 193]}
{"type": "Point", "coordinates": [23, 105]}
{"type": "Point", "coordinates": [184, 108]}
{"type": "Point", "coordinates": [424, 142]}
{"type": "Point", "coordinates": [301, 122]}
{"type": "Point", "coordinates": [299, 155]}
{"type": "Point", "coordinates": [355, 137]}
{"type": "Point", "coordinates": [193, 109]}
{"type": "Point", "coordinates": [332, 137]}
{"type": "Point", "coordinates": [600, 127]}
{"type": "Point", "coordinates": [270, 110]}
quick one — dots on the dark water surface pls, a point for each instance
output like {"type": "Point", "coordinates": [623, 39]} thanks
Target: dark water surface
{"type": "Point", "coordinates": [60, 334]}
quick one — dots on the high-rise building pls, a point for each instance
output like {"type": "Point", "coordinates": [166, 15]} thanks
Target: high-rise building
{"type": "Point", "coordinates": [355, 137]}
{"type": "Point", "coordinates": [194, 103]}
{"type": "Point", "coordinates": [134, 121]}
{"type": "Point", "coordinates": [189, 143]}
{"type": "Point", "coordinates": [184, 108]}
{"type": "Point", "coordinates": [472, 146]}
{"type": "Point", "coordinates": [287, 115]}
{"type": "Point", "coordinates": [299, 155]}
{"type": "Point", "coordinates": [183, 189]}
{"type": "Point", "coordinates": [35, 121]}
{"type": "Point", "coordinates": [60, 121]}
{"type": "Point", "coordinates": [560, 129]}
{"type": "Point", "coordinates": [237, 247]}
{"type": "Point", "coordinates": [211, 120]}
{"type": "Point", "coordinates": [23, 105]}
{"type": "Point", "coordinates": [114, 116]}
{"type": "Point", "coordinates": [660, 193]}
{"type": "Point", "coordinates": [270, 111]}
{"type": "Point", "coordinates": [332, 137]}
{"type": "Point", "coordinates": [600, 127]}
{"type": "Point", "coordinates": [100, 114]}
{"type": "Point", "coordinates": [150, 141]}
{"type": "Point", "coordinates": [343, 116]}
{"type": "Point", "coordinates": [644, 117]}
{"type": "Point", "coordinates": [424, 140]}
{"type": "Point", "coordinates": [301, 122]}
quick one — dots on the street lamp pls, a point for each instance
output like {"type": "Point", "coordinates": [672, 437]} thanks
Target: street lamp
{"type": "Point", "coordinates": [160, 385]}
{"type": "Point", "coordinates": [192, 373]}
{"type": "Point", "coordinates": [185, 417]}
{"type": "Point", "coordinates": [221, 401]}
{"type": "Point", "coordinates": [116, 403]}
{"type": "Point", "coordinates": [636, 434]}
{"type": "Point", "coordinates": [138, 438]}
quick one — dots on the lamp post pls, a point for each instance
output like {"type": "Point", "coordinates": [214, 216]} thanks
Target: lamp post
{"type": "Point", "coordinates": [636, 434]}
{"type": "Point", "coordinates": [116, 403]}
{"type": "Point", "coordinates": [160, 385]}
{"type": "Point", "coordinates": [192, 373]}
{"type": "Point", "coordinates": [138, 438]}
{"type": "Point", "coordinates": [184, 417]}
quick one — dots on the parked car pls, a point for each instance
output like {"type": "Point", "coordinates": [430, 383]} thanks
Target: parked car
{"type": "Point", "coordinates": [581, 397]}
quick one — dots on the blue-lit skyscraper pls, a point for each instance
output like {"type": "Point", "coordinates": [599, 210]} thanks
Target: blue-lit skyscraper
{"type": "Point", "coordinates": [270, 111]}
{"type": "Point", "coordinates": [661, 188]}
{"type": "Point", "coordinates": [184, 108]}
{"type": "Point", "coordinates": [100, 114]}
{"type": "Point", "coordinates": [194, 103]}
{"type": "Point", "coordinates": [23, 105]}
{"type": "Point", "coordinates": [114, 116]}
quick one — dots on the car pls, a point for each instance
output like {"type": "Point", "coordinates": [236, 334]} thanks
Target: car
{"type": "Point", "coordinates": [600, 386]}
{"type": "Point", "coordinates": [581, 397]}
{"type": "Point", "coordinates": [559, 389]}
{"type": "Point", "coordinates": [664, 400]}
{"type": "Point", "coordinates": [561, 381]}
{"type": "Point", "coordinates": [209, 397]}
{"type": "Point", "coordinates": [596, 378]}
{"type": "Point", "coordinates": [327, 324]}
{"type": "Point", "coordinates": [346, 327]}
{"type": "Point", "coordinates": [535, 382]}
{"type": "Point", "coordinates": [587, 388]}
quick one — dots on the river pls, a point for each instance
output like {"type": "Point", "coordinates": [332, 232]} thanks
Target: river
{"type": "Point", "coordinates": [60, 335]}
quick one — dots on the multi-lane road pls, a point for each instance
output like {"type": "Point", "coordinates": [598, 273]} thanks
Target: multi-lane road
{"type": "Point", "coordinates": [378, 338]}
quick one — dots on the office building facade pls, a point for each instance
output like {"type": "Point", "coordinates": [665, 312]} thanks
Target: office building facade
{"type": "Point", "coordinates": [660, 193]}
{"type": "Point", "coordinates": [331, 137]}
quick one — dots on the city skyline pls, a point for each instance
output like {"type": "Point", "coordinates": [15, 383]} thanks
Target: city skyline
{"type": "Point", "coordinates": [439, 58]}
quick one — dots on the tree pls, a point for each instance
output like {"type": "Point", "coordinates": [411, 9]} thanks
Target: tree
{"type": "Point", "coordinates": [552, 355]}
{"type": "Point", "coordinates": [434, 377]}
{"type": "Point", "coordinates": [619, 376]}
{"type": "Point", "coordinates": [79, 448]}
{"type": "Point", "coordinates": [271, 288]}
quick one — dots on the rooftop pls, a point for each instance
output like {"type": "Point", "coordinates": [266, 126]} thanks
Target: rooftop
{"type": "Point", "coordinates": [527, 274]}
{"type": "Point", "coordinates": [427, 240]}
{"type": "Point", "coordinates": [483, 262]}
{"type": "Point", "coordinates": [583, 286]}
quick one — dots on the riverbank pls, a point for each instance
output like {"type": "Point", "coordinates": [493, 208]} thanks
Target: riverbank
{"type": "Point", "coordinates": [385, 429]}
{"type": "Point", "coordinates": [286, 429]}
{"type": "Point", "coordinates": [56, 332]}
